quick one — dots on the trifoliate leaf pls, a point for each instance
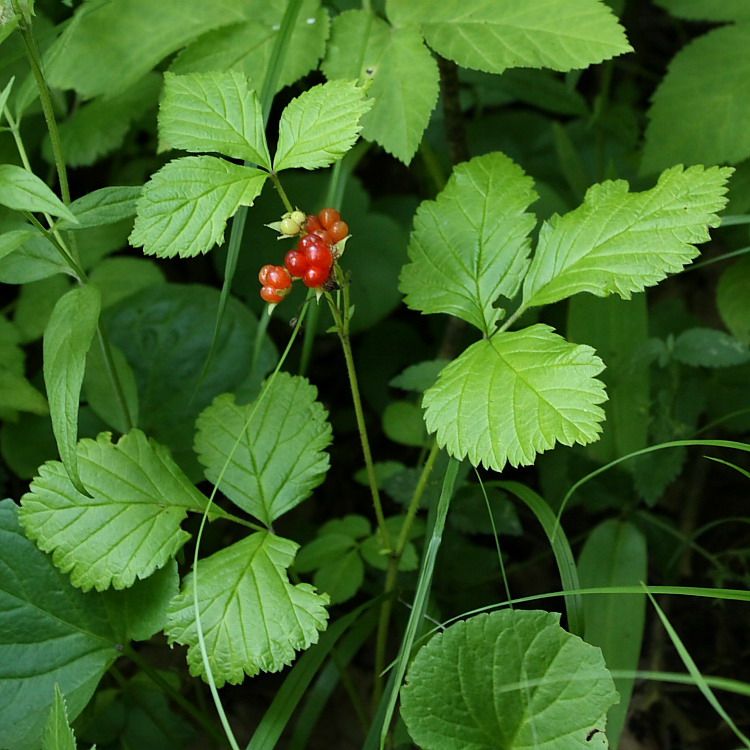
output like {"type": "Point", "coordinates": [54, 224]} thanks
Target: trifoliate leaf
{"type": "Point", "coordinates": [213, 112]}
{"type": "Point", "coordinates": [512, 679]}
{"type": "Point", "coordinates": [403, 74]}
{"type": "Point", "coordinates": [252, 618]}
{"type": "Point", "coordinates": [273, 449]}
{"type": "Point", "coordinates": [620, 242]}
{"type": "Point", "coordinates": [184, 207]}
{"type": "Point", "coordinates": [732, 295]}
{"type": "Point", "coordinates": [700, 107]}
{"type": "Point", "coordinates": [471, 245]}
{"type": "Point", "coordinates": [706, 347]}
{"type": "Point", "coordinates": [320, 126]}
{"type": "Point", "coordinates": [509, 397]}
{"type": "Point", "coordinates": [248, 46]}
{"type": "Point", "coordinates": [493, 36]}
{"type": "Point", "coordinates": [129, 527]}
{"type": "Point", "coordinates": [22, 190]}
{"type": "Point", "coordinates": [67, 340]}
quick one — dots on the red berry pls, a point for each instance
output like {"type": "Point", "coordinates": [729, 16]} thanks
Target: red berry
{"type": "Point", "coordinates": [320, 256]}
{"type": "Point", "coordinates": [338, 231]}
{"type": "Point", "coordinates": [315, 276]}
{"type": "Point", "coordinates": [269, 294]}
{"type": "Point", "coordinates": [278, 278]}
{"type": "Point", "coordinates": [313, 223]}
{"type": "Point", "coordinates": [328, 217]}
{"type": "Point", "coordinates": [263, 275]}
{"type": "Point", "coordinates": [296, 263]}
{"type": "Point", "coordinates": [325, 235]}
{"type": "Point", "coordinates": [311, 240]}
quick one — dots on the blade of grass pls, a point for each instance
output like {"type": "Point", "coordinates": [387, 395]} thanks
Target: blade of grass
{"type": "Point", "coordinates": [566, 564]}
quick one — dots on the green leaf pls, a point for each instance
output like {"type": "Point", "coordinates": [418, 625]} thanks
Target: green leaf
{"type": "Point", "coordinates": [57, 732]}
{"type": "Point", "coordinates": [328, 548]}
{"type": "Point", "coordinates": [507, 398]}
{"type": "Point", "coordinates": [708, 130]}
{"type": "Point", "coordinates": [107, 47]}
{"type": "Point", "coordinates": [67, 340]}
{"type": "Point", "coordinates": [403, 74]}
{"type": "Point", "coordinates": [402, 423]}
{"type": "Point", "coordinates": [342, 578]}
{"type": "Point", "coordinates": [276, 445]}
{"type": "Point", "coordinates": [557, 34]}
{"type": "Point", "coordinates": [732, 295]}
{"type": "Point", "coordinates": [471, 245]}
{"type": "Point", "coordinates": [184, 207]}
{"type": "Point", "coordinates": [419, 377]}
{"type": "Point", "coordinates": [213, 112]}
{"type": "Point", "coordinates": [39, 611]}
{"type": "Point", "coordinates": [17, 394]}
{"type": "Point", "coordinates": [97, 386]}
{"type": "Point", "coordinates": [320, 126]}
{"type": "Point", "coordinates": [22, 190]}
{"type": "Point", "coordinates": [9, 241]}
{"type": "Point", "coordinates": [708, 10]}
{"type": "Point", "coordinates": [118, 278]}
{"type": "Point", "coordinates": [511, 679]}
{"type": "Point", "coordinates": [105, 206]}
{"type": "Point", "coordinates": [615, 554]}
{"type": "Point", "coordinates": [163, 331]}
{"type": "Point", "coordinates": [353, 525]}
{"type": "Point", "coordinates": [35, 259]}
{"type": "Point", "coordinates": [248, 46]}
{"type": "Point", "coordinates": [620, 242]}
{"type": "Point", "coordinates": [35, 304]}
{"type": "Point", "coordinates": [95, 129]}
{"type": "Point", "coordinates": [707, 347]}
{"type": "Point", "coordinates": [128, 528]}
{"type": "Point", "coordinates": [252, 618]}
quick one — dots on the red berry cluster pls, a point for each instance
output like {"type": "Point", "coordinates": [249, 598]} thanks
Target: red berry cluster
{"type": "Point", "coordinates": [311, 260]}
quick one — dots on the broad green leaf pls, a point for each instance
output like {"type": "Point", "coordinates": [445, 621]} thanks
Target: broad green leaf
{"type": "Point", "coordinates": [404, 78]}
{"type": "Point", "coordinates": [698, 112]}
{"type": "Point", "coordinates": [707, 347]}
{"type": "Point", "coordinates": [24, 191]}
{"type": "Point", "coordinates": [98, 387]}
{"type": "Point", "coordinates": [493, 36]}
{"type": "Point", "coordinates": [247, 47]}
{"type": "Point", "coordinates": [513, 679]}
{"type": "Point", "coordinates": [39, 612]}
{"type": "Point", "coordinates": [327, 548]}
{"type": "Point", "coordinates": [17, 394]}
{"type": "Point", "coordinates": [35, 303]}
{"type": "Point", "coordinates": [403, 423]}
{"type": "Point", "coordinates": [67, 340]}
{"type": "Point", "coordinates": [732, 295]}
{"type": "Point", "coordinates": [419, 377]}
{"type": "Point", "coordinates": [95, 129]}
{"type": "Point", "coordinates": [277, 446]}
{"type": "Point", "coordinates": [708, 10]}
{"type": "Point", "coordinates": [471, 245]}
{"type": "Point", "coordinates": [119, 278]}
{"type": "Point", "coordinates": [615, 554]}
{"type": "Point", "coordinates": [213, 112]}
{"type": "Point", "coordinates": [164, 331]}
{"type": "Point", "coordinates": [252, 618]}
{"type": "Point", "coordinates": [57, 732]}
{"type": "Point", "coordinates": [184, 207]}
{"type": "Point", "coordinates": [509, 397]}
{"type": "Point", "coordinates": [129, 526]}
{"type": "Point", "coordinates": [342, 578]}
{"type": "Point", "coordinates": [105, 206]}
{"type": "Point", "coordinates": [320, 126]}
{"type": "Point", "coordinates": [35, 259]}
{"type": "Point", "coordinates": [108, 46]}
{"type": "Point", "coordinates": [620, 242]}
{"type": "Point", "coordinates": [9, 241]}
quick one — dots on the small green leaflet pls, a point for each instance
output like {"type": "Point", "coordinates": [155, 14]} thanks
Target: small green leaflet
{"type": "Point", "coordinates": [716, 68]}
{"type": "Point", "coordinates": [57, 732]}
{"type": "Point", "coordinates": [213, 112]}
{"type": "Point", "coordinates": [184, 207]}
{"type": "Point", "coordinates": [67, 340]}
{"type": "Point", "coordinates": [105, 206]}
{"type": "Point", "coordinates": [620, 242]}
{"type": "Point", "coordinates": [512, 679]}
{"type": "Point", "coordinates": [129, 527]}
{"type": "Point", "coordinates": [509, 397]}
{"type": "Point", "coordinates": [706, 347]}
{"type": "Point", "coordinates": [492, 36]}
{"type": "Point", "coordinates": [277, 446]}
{"type": "Point", "coordinates": [22, 190]}
{"type": "Point", "coordinates": [403, 73]}
{"type": "Point", "coordinates": [320, 126]}
{"type": "Point", "coordinates": [732, 294]}
{"type": "Point", "coordinates": [471, 245]}
{"type": "Point", "coordinates": [252, 618]}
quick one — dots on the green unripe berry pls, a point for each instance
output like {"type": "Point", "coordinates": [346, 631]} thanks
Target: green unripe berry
{"type": "Point", "coordinates": [290, 227]}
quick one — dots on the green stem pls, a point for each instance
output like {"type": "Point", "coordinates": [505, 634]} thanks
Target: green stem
{"type": "Point", "coordinates": [166, 687]}
{"type": "Point", "coordinates": [280, 190]}
{"type": "Point", "coordinates": [342, 326]}
{"type": "Point", "coordinates": [78, 272]}
{"type": "Point", "coordinates": [35, 60]}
